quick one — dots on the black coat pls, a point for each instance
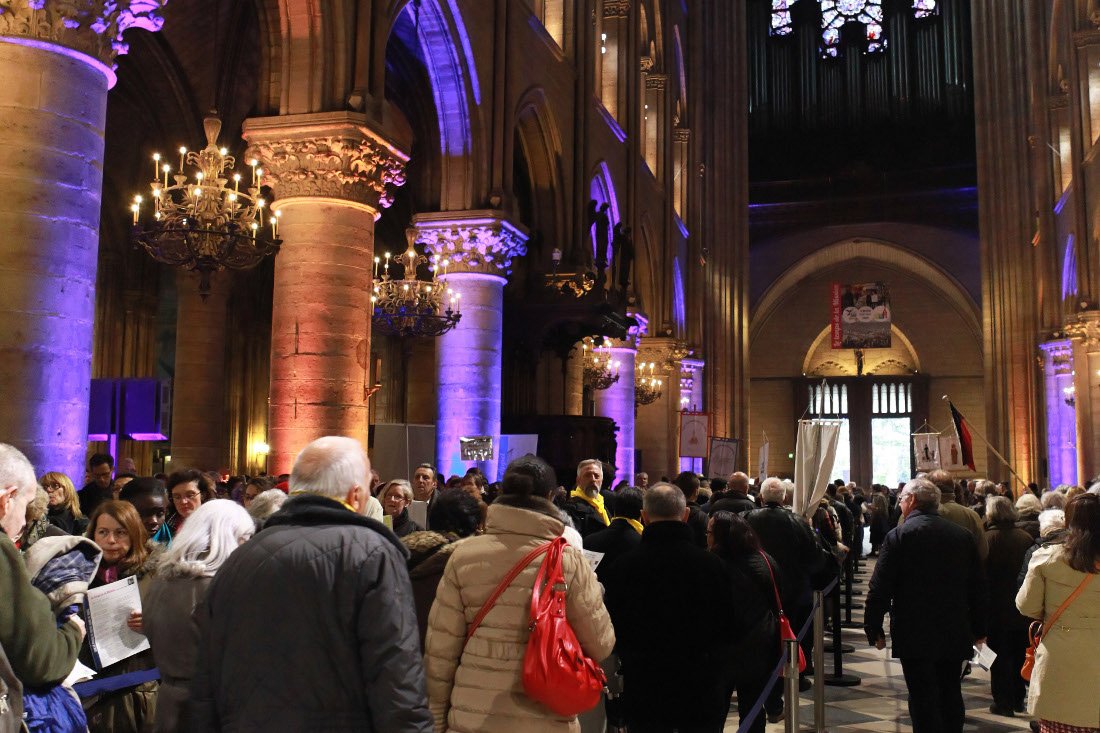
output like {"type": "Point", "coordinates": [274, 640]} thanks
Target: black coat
{"type": "Point", "coordinates": [794, 546]}
{"type": "Point", "coordinates": [755, 616]}
{"type": "Point", "coordinates": [732, 501]}
{"type": "Point", "coordinates": [64, 520]}
{"type": "Point", "coordinates": [311, 625]}
{"type": "Point", "coordinates": [1004, 548]}
{"type": "Point", "coordinates": [585, 518]}
{"type": "Point", "coordinates": [697, 520]}
{"type": "Point", "coordinates": [613, 542]}
{"type": "Point", "coordinates": [655, 594]}
{"type": "Point", "coordinates": [929, 577]}
{"type": "Point", "coordinates": [92, 496]}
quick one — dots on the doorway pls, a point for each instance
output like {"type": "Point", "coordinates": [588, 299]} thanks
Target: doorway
{"type": "Point", "coordinates": [878, 416]}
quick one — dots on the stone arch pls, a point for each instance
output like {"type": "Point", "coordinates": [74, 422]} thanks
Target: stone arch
{"type": "Point", "coordinates": [540, 144]}
{"type": "Point", "coordinates": [900, 358]}
{"type": "Point", "coordinates": [880, 252]}
{"type": "Point", "coordinates": [679, 72]}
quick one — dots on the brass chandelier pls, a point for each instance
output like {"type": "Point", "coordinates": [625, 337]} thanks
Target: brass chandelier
{"type": "Point", "coordinates": [206, 223]}
{"type": "Point", "coordinates": [601, 370]}
{"type": "Point", "coordinates": [647, 386]}
{"type": "Point", "coordinates": [406, 306]}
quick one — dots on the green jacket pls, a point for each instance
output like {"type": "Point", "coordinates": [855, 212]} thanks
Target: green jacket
{"type": "Point", "coordinates": [40, 653]}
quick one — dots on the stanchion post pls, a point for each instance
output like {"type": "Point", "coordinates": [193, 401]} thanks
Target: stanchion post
{"type": "Point", "coordinates": [819, 661]}
{"type": "Point", "coordinates": [838, 678]}
{"type": "Point", "coordinates": [791, 683]}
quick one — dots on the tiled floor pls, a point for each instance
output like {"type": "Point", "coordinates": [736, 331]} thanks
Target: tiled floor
{"type": "Point", "coordinates": [878, 703]}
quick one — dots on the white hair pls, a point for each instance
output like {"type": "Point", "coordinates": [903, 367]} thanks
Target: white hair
{"type": "Point", "coordinates": [406, 489]}
{"type": "Point", "coordinates": [265, 504]}
{"type": "Point", "coordinates": [207, 539]}
{"type": "Point", "coordinates": [589, 462]}
{"type": "Point", "coordinates": [16, 470]}
{"type": "Point", "coordinates": [331, 466]}
{"type": "Point", "coordinates": [1051, 520]}
{"type": "Point", "coordinates": [926, 495]}
{"type": "Point", "coordinates": [772, 490]}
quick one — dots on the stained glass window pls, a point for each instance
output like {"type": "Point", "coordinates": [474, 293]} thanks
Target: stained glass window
{"type": "Point", "coordinates": [835, 14]}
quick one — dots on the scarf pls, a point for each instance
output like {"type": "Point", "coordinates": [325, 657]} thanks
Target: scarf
{"type": "Point", "coordinates": [633, 523]}
{"type": "Point", "coordinates": [596, 503]}
{"type": "Point", "coordinates": [332, 498]}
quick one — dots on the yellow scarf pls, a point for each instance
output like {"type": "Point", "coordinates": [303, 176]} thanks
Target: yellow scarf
{"type": "Point", "coordinates": [596, 503]}
{"type": "Point", "coordinates": [633, 523]}
{"type": "Point", "coordinates": [347, 506]}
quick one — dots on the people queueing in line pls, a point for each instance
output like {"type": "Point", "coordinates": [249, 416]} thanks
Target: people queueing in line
{"type": "Point", "coordinates": [323, 558]}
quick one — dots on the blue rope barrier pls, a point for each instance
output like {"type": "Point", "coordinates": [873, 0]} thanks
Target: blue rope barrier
{"type": "Point", "coordinates": [101, 685]}
{"type": "Point", "coordinates": [759, 706]}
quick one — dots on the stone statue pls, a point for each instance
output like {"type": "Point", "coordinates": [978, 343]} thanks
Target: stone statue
{"type": "Point", "coordinates": [603, 232]}
{"type": "Point", "coordinates": [622, 246]}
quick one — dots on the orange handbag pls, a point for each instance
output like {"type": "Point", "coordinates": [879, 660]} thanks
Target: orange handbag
{"type": "Point", "coordinates": [1038, 629]}
{"type": "Point", "coordinates": [556, 671]}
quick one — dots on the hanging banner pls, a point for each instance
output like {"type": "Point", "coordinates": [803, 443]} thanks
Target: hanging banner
{"type": "Point", "coordinates": [694, 431]}
{"type": "Point", "coordinates": [722, 459]}
{"type": "Point", "coordinates": [860, 316]}
{"type": "Point", "coordinates": [815, 453]}
{"type": "Point", "coordinates": [951, 455]}
{"type": "Point", "coordinates": [926, 451]}
{"type": "Point", "coordinates": [762, 471]}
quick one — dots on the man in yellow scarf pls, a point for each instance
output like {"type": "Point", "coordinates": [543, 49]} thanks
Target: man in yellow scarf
{"type": "Point", "coordinates": [585, 505]}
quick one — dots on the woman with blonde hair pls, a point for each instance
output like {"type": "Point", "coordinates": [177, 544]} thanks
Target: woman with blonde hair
{"type": "Point", "coordinates": [183, 573]}
{"type": "Point", "coordinates": [64, 512]}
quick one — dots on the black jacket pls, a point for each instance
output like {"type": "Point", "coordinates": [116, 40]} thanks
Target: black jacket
{"type": "Point", "coordinates": [755, 615]}
{"type": "Point", "coordinates": [732, 501]}
{"type": "Point", "coordinates": [92, 496]}
{"type": "Point", "coordinates": [64, 520]}
{"type": "Point", "coordinates": [403, 525]}
{"type": "Point", "coordinates": [929, 577]}
{"type": "Point", "coordinates": [585, 518]}
{"type": "Point", "coordinates": [1004, 547]}
{"type": "Point", "coordinates": [311, 625]}
{"type": "Point", "coordinates": [697, 520]}
{"type": "Point", "coordinates": [1056, 537]}
{"type": "Point", "coordinates": [794, 546]}
{"type": "Point", "coordinates": [613, 542]}
{"type": "Point", "coordinates": [655, 594]}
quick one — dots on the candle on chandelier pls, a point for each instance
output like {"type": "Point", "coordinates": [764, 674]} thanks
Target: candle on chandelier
{"type": "Point", "coordinates": [260, 210]}
{"type": "Point", "coordinates": [166, 168]}
{"type": "Point", "coordinates": [253, 163]}
{"type": "Point", "coordinates": [377, 267]}
{"type": "Point", "coordinates": [259, 177]}
{"type": "Point", "coordinates": [183, 152]}
{"type": "Point", "coordinates": [387, 264]}
{"type": "Point", "coordinates": [275, 225]}
{"type": "Point", "coordinates": [255, 226]}
{"type": "Point", "coordinates": [156, 166]}
{"type": "Point", "coordinates": [236, 182]}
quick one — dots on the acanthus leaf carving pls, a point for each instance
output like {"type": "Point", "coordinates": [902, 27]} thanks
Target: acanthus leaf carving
{"type": "Point", "coordinates": [480, 245]}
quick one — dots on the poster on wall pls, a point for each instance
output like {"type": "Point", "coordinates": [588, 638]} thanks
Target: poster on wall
{"type": "Point", "coordinates": [694, 431]}
{"type": "Point", "coordinates": [926, 450]}
{"type": "Point", "coordinates": [723, 457]}
{"type": "Point", "coordinates": [476, 448]}
{"type": "Point", "coordinates": [860, 316]}
{"type": "Point", "coordinates": [951, 455]}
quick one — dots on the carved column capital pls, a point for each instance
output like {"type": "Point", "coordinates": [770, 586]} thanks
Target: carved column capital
{"type": "Point", "coordinates": [681, 135]}
{"type": "Point", "coordinates": [328, 155]}
{"type": "Point", "coordinates": [1060, 356]}
{"type": "Point", "coordinates": [483, 242]}
{"type": "Point", "coordinates": [92, 27]}
{"type": "Point", "coordinates": [665, 352]}
{"type": "Point", "coordinates": [1084, 328]}
{"type": "Point", "coordinates": [646, 63]}
{"type": "Point", "coordinates": [616, 8]}
{"type": "Point", "coordinates": [656, 81]}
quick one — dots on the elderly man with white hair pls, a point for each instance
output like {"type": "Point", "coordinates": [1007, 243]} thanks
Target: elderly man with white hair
{"type": "Point", "coordinates": [929, 578]}
{"type": "Point", "coordinates": [39, 652]}
{"type": "Point", "coordinates": [311, 625]}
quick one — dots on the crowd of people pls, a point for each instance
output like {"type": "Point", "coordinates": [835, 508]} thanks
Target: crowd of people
{"type": "Point", "coordinates": [331, 599]}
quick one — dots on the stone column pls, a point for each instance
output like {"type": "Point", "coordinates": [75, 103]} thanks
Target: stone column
{"type": "Point", "coordinates": [657, 425]}
{"type": "Point", "coordinates": [198, 388]}
{"type": "Point", "coordinates": [691, 400]}
{"type": "Point", "coordinates": [1084, 333]}
{"type": "Point", "coordinates": [329, 173]}
{"type": "Point", "coordinates": [53, 105]}
{"type": "Point", "coordinates": [479, 246]}
{"type": "Point", "coordinates": [1061, 415]}
{"type": "Point", "coordinates": [617, 403]}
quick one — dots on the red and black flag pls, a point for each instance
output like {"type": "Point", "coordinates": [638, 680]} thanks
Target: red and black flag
{"type": "Point", "coordinates": [962, 432]}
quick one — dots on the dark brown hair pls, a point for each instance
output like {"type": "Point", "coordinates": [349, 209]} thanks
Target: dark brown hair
{"type": "Point", "coordinates": [1083, 535]}
{"type": "Point", "coordinates": [732, 535]}
{"type": "Point", "coordinates": [125, 514]}
{"type": "Point", "coordinates": [186, 476]}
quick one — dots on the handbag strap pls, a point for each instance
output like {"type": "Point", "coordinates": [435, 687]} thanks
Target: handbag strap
{"type": "Point", "coordinates": [516, 570]}
{"type": "Point", "coordinates": [1072, 597]}
{"type": "Point", "coordinates": [550, 572]}
{"type": "Point", "coordinates": [775, 588]}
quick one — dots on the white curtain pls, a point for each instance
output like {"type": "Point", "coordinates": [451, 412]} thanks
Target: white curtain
{"type": "Point", "coordinates": [814, 454]}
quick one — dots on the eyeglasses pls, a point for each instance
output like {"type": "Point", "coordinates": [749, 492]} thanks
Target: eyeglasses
{"type": "Point", "coordinates": [53, 488]}
{"type": "Point", "coordinates": [189, 496]}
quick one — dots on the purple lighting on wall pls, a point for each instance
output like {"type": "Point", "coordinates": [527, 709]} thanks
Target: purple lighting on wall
{"type": "Point", "coordinates": [617, 403]}
{"type": "Point", "coordinates": [1061, 422]}
{"type": "Point", "coordinates": [1069, 270]}
{"type": "Point", "coordinates": [679, 310]}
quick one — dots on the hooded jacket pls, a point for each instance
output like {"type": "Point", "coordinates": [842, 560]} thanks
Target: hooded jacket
{"type": "Point", "coordinates": [310, 626]}
{"type": "Point", "coordinates": [477, 687]}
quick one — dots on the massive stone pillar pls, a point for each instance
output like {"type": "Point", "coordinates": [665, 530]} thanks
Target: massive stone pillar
{"type": "Point", "coordinates": [53, 105]}
{"type": "Point", "coordinates": [617, 403]}
{"type": "Point", "coordinates": [1084, 333]}
{"type": "Point", "coordinates": [479, 247]}
{"type": "Point", "coordinates": [658, 424]}
{"type": "Point", "coordinates": [1006, 225]}
{"type": "Point", "coordinates": [1061, 415]}
{"type": "Point", "coordinates": [198, 388]}
{"type": "Point", "coordinates": [329, 173]}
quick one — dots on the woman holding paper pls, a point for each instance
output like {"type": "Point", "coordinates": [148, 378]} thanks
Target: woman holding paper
{"type": "Point", "coordinates": [184, 572]}
{"type": "Point", "coordinates": [117, 529]}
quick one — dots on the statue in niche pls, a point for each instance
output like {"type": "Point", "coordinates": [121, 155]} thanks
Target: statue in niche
{"type": "Point", "coordinates": [591, 214]}
{"type": "Point", "coordinates": [603, 241]}
{"type": "Point", "coordinates": [622, 248]}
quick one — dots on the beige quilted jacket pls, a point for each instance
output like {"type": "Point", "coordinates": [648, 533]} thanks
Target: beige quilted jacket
{"type": "Point", "coordinates": [479, 689]}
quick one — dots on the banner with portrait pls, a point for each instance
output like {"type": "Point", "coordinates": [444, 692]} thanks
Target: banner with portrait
{"type": "Point", "coordinates": [926, 451]}
{"type": "Point", "coordinates": [860, 316]}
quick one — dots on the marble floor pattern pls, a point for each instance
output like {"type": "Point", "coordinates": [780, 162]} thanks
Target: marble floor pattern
{"type": "Point", "coordinates": [878, 703]}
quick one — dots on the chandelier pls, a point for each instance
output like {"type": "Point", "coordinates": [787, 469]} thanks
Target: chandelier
{"type": "Point", "coordinates": [647, 387]}
{"type": "Point", "coordinates": [408, 306]}
{"type": "Point", "coordinates": [600, 368]}
{"type": "Point", "coordinates": [206, 224]}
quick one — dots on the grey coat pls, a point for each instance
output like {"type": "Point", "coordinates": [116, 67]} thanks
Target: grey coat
{"type": "Point", "coordinates": [167, 608]}
{"type": "Point", "coordinates": [311, 626]}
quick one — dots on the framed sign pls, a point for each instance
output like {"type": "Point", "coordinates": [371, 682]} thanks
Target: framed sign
{"type": "Point", "coordinates": [694, 431]}
{"type": "Point", "coordinates": [476, 448]}
{"type": "Point", "coordinates": [722, 460]}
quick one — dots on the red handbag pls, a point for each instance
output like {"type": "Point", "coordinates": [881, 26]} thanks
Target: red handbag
{"type": "Point", "coordinates": [556, 671]}
{"type": "Point", "coordinates": [786, 633]}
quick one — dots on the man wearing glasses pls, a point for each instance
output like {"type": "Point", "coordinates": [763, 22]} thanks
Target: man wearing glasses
{"type": "Point", "coordinates": [101, 466]}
